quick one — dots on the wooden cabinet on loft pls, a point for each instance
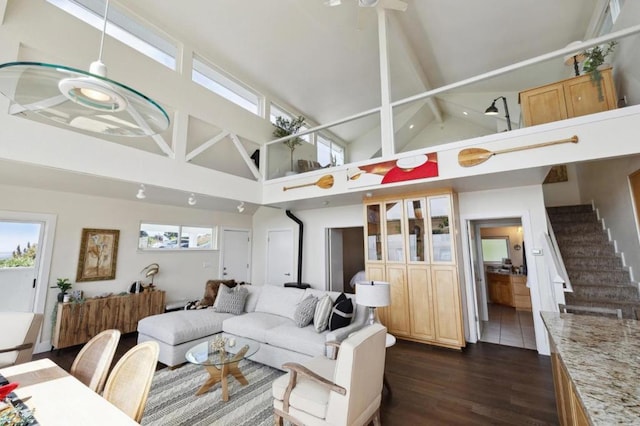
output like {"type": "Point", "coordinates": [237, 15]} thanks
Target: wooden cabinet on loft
{"type": "Point", "coordinates": [568, 98]}
{"type": "Point", "coordinates": [409, 244]}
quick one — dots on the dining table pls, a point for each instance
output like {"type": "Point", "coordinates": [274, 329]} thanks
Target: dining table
{"type": "Point", "coordinates": [57, 398]}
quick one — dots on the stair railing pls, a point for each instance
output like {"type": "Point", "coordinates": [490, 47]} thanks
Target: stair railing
{"type": "Point", "coordinates": [557, 270]}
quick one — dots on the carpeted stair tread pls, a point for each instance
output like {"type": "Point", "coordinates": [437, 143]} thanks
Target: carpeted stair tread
{"type": "Point", "coordinates": [596, 272]}
{"type": "Point", "coordinates": [580, 208]}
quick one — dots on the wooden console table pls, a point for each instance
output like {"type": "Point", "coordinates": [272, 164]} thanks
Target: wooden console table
{"type": "Point", "coordinates": [77, 323]}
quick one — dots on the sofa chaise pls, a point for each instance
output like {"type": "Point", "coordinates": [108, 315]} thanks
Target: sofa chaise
{"type": "Point", "coordinates": [267, 318]}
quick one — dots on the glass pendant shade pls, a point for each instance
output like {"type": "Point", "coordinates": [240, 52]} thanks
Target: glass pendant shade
{"type": "Point", "coordinates": [81, 99]}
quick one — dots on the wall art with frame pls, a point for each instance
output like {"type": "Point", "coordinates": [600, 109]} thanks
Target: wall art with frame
{"type": "Point", "coordinates": [98, 255]}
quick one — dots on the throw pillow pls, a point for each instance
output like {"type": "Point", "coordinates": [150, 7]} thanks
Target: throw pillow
{"type": "Point", "coordinates": [341, 313]}
{"type": "Point", "coordinates": [231, 300]}
{"type": "Point", "coordinates": [211, 291]}
{"type": "Point", "coordinates": [321, 315]}
{"type": "Point", "coordinates": [305, 311]}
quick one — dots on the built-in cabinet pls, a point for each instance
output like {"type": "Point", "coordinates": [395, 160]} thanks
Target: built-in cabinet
{"type": "Point", "coordinates": [568, 98]}
{"type": "Point", "coordinates": [570, 409]}
{"type": "Point", "coordinates": [409, 243]}
{"type": "Point", "coordinates": [510, 290]}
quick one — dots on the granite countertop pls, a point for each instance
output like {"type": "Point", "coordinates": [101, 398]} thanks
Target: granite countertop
{"type": "Point", "coordinates": [602, 357]}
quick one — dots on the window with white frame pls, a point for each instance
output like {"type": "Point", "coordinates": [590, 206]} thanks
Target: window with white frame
{"type": "Point", "coordinates": [275, 111]}
{"type": "Point", "coordinates": [123, 28]}
{"type": "Point", "coordinates": [329, 152]}
{"type": "Point", "coordinates": [155, 236]}
{"type": "Point", "coordinates": [221, 83]}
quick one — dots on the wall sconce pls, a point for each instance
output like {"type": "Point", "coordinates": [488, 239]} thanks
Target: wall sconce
{"type": "Point", "coordinates": [493, 110]}
{"type": "Point", "coordinates": [192, 201]}
{"type": "Point", "coordinates": [141, 195]}
{"type": "Point", "coordinates": [240, 207]}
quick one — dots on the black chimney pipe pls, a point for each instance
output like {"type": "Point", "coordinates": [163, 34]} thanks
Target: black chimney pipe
{"type": "Point", "coordinates": [298, 283]}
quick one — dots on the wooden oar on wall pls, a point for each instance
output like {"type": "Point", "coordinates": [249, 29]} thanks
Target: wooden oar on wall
{"type": "Point", "coordinates": [325, 182]}
{"type": "Point", "coordinates": [473, 156]}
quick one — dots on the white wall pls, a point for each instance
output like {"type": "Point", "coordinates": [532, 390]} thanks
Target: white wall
{"type": "Point", "coordinates": [528, 204]}
{"type": "Point", "coordinates": [315, 222]}
{"type": "Point", "coordinates": [563, 193]}
{"type": "Point", "coordinates": [606, 184]}
{"type": "Point", "coordinates": [182, 274]}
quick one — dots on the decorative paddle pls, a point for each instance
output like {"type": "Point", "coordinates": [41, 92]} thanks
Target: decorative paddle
{"type": "Point", "coordinates": [473, 156]}
{"type": "Point", "coordinates": [325, 182]}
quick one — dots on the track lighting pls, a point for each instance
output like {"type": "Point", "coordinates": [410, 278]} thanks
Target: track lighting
{"type": "Point", "coordinates": [141, 195]}
{"type": "Point", "coordinates": [240, 207]}
{"type": "Point", "coordinates": [192, 201]}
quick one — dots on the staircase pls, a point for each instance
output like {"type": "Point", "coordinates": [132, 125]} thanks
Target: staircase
{"type": "Point", "coordinates": [597, 276]}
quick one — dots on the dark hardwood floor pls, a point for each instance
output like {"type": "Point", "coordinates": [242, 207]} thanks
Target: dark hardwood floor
{"type": "Point", "coordinates": [485, 384]}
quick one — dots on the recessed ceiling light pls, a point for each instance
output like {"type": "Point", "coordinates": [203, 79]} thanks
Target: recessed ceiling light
{"type": "Point", "coordinates": [411, 126]}
{"type": "Point", "coordinates": [465, 112]}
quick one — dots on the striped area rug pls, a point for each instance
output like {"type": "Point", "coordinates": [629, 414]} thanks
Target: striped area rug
{"type": "Point", "coordinates": [172, 399]}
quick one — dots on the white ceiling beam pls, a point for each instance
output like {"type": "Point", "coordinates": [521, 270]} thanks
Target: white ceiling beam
{"type": "Point", "coordinates": [208, 144]}
{"type": "Point", "coordinates": [247, 159]}
{"type": "Point", "coordinates": [417, 67]}
{"type": "Point", "coordinates": [43, 104]}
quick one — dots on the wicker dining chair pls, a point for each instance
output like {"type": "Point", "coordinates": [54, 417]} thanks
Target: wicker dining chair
{"type": "Point", "coordinates": [92, 363]}
{"type": "Point", "coordinates": [130, 380]}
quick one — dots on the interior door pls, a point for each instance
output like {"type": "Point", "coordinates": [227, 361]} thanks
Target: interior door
{"type": "Point", "coordinates": [20, 243]}
{"type": "Point", "coordinates": [280, 259]}
{"type": "Point", "coordinates": [335, 264]}
{"type": "Point", "coordinates": [236, 255]}
{"type": "Point", "coordinates": [477, 277]}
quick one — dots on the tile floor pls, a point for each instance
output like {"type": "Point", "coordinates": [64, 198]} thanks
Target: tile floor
{"type": "Point", "coordinates": [509, 327]}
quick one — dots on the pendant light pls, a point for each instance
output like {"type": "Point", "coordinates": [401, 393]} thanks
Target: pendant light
{"type": "Point", "coordinates": [84, 100]}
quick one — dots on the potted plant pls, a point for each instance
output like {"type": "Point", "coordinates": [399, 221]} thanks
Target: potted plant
{"type": "Point", "coordinates": [63, 284]}
{"type": "Point", "coordinates": [286, 127]}
{"type": "Point", "coordinates": [595, 57]}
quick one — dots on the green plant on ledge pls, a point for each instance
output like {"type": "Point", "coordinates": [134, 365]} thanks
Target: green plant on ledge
{"type": "Point", "coordinates": [64, 285]}
{"type": "Point", "coordinates": [286, 127]}
{"type": "Point", "coordinates": [594, 58]}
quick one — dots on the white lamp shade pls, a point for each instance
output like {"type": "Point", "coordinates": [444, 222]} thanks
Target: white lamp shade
{"type": "Point", "coordinates": [373, 293]}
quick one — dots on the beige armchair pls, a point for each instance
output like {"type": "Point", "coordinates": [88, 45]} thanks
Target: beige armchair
{"type": "Point", "coordinates": [18, 337]}
{"type": "Point", "coordinates": [345, 391]}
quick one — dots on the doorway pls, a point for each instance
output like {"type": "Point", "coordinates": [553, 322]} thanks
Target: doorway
{"type": "Point", "coordinates": [235, 254]}
{"type": "Point", "coordinates": [345, 258]}
{"type": "Point", "coordinates": [503, 302]}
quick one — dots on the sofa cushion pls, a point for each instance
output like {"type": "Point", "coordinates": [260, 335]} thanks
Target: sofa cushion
{"type": "Point", "coordinates": [177, 327]}
{"type": "Point", "coordinates": [253, 325]}
{"type": "Point", "coordinates": [252, 297]}
{"type": "Point", "coordinates": [304, 340]}
{"type": "Point", "coordinates": [211, 291]}
{"type": "Point", "coordinates": [321, 315]}
{"type": "Point", "coordinates": [305, 311]}
{"type": "Point", "coordinates": [231, 300]}
{"type": "Point", "coordinates": [341, 313]}
{"type": "Point", "coordinates": [279, 300]}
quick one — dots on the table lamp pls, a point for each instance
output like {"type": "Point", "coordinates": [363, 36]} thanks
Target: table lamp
{"type": "Point", "coordinates": [373, 294]}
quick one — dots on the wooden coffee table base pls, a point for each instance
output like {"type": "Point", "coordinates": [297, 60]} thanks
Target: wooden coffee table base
{"type": "Point", "coordinates": [219, 374]}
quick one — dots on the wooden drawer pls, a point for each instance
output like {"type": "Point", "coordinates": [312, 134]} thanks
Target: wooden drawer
{"type": "Point", "coordinates": [521, 289]}
{"type": "Point", "coordinates": [522, 302]}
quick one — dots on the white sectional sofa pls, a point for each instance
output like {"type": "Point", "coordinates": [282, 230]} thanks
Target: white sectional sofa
{"type": "Point", "coordinates": [267, 319]}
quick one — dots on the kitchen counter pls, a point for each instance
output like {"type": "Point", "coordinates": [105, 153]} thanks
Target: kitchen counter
{"type": "Point", "coordinates": [602, 359]}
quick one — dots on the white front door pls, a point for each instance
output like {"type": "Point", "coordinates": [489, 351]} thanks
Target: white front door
{"type": "Point", "coordinates": [280, 257]}
{"type": "Point", "coordinates": [236, 255]}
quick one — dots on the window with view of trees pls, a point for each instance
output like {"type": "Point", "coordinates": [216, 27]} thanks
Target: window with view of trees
{"type": "Point", "coordinates": [18, 244]}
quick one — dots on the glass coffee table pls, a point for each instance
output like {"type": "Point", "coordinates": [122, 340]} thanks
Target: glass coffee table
{"type": "Point", "coordinates": [220, 359]}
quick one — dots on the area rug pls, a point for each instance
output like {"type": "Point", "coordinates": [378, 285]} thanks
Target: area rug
{"type": "Point", "coordinates": [172, 400]}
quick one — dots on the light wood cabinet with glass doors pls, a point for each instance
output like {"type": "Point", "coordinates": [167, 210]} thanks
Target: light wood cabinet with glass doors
{"type": "Point", "coordinates": [409, 243]}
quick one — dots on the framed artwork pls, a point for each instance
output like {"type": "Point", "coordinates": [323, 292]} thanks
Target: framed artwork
{"type": "Point", "coordinates": [98, 255]}
{"type": "Point", "coordinates": [557, 174]}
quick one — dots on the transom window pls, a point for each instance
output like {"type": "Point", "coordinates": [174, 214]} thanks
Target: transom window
{"type": "Point", "coordinates": [123, 28]}
{"type": "Point", "coordinates": [154, 236]}
{"type": "Point", "coordinates": [221, 83]}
